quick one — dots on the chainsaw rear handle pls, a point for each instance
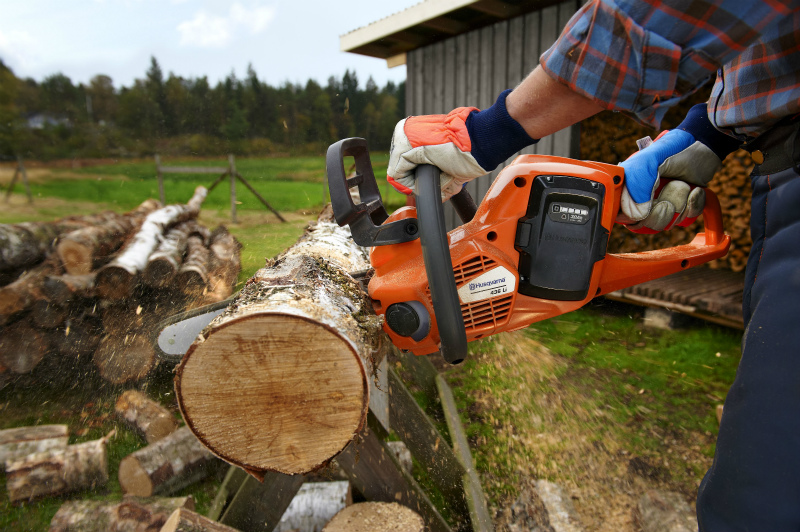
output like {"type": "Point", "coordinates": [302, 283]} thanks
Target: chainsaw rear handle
{"type": "Point", "coordinates": [439, 265]}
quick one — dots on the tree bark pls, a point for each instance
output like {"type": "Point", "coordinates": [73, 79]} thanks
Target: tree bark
{"type": "Point", "coordinates": [183, 520]}
{"type": "Point", "coordinates": [314, 505]}
{"type": "Point", "coordinates": [83, 250]}
{"type": "Point", "coordinates": [193, 276]}
{"type": "Point", "coordinates": [63, 289]}
{"type": "Point", "coordinates": [224, 265]}
{"type": "Point", "coordinates": [166, 466]}
{"type": "Point", "coordinates": [301, 337]}
{"type": "Point", "coordinates": [76, 467]}
{"type": "Point", "coordinates": [133, 514]}
{"type": "Point", "coordinates": [166, 260]}
{"type": "Point", "coordinates": [147, 417]}
{"type": "Point", "coordinates": [125, 358]}
{"type": "Point", "coordinates": [117, 279]}
{"type": "Point", "coordinates": [365, 516]}
{"type": "Point", "coordinates": [21, 294]}
{"type": "Point", "coordinates": [22, 347]}
{"type": "Point", "coordinates": [20, 442]}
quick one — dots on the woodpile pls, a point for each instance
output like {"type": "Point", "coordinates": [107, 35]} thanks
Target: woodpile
{"type": "Point", "coordinates": [95, 288]}
{"type": "Point", "coordinates": [611, 137]}
{"type": "Point", "coordinates": [132, 514]}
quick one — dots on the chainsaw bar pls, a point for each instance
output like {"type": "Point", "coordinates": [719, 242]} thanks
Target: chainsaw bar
{"type": "Point", "coordinates": [178, 332]}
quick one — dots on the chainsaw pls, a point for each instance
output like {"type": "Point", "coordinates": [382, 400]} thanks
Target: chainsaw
{"type": "Point", "coordinates": [535, 248]}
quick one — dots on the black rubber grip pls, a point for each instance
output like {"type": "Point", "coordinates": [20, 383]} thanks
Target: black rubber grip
{"type": "Point", "coordinates": [439, 266]}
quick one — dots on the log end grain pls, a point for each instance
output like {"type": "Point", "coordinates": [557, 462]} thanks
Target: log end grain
{"type": "Point", "coordinates": [115, 283]}
{"type": "Point", "coordinates": [137, 481]}
{"type": "Point", "coordinates": [160, 272]}
{"type": "Point", "coordinates": [125, 358]}
{"type": "Point", "coordinates": [370, 516]}
{"type": "Point", "coordinates": [151, 419]}
{"type": "Point", "coordinates": [22, 347]}
{"type": "Point", "coordinates": [273, 392]}
{"type": "Point", "coordinates": [76, 257]}
{"type": "Point", "coordinates": [183, 520]}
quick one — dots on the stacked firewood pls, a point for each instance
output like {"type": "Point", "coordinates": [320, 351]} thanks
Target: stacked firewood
{"type": "Point", "coordinates": [611, 138]}
{"type": "Point", "coordinates": [96, 287]}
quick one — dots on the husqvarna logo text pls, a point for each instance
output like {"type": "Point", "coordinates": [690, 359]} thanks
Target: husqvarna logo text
{"type": "Point", "coordinates": [475, 286]}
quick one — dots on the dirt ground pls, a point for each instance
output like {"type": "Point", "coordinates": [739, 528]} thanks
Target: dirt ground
{"type": "Point", "coordinates": [553, 436]}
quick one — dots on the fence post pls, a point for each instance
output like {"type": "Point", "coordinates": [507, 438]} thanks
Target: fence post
{"type": "Point", "coordinates": [160, 180]}
{"type": "Point", "coordinates": [232, 174]}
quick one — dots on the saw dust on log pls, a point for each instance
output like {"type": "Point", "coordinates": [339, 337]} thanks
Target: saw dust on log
{"type": "Point", "coordinates": [22, 347]}
{"type": "Point", "coordinates": [183, 520]}
{"type": "Point", "coordinates": [126, 357]}
{"type": "Point", "coordinates": [117, 279]}
{"type": "Point", "coordinates": [20, 442]}
{"type": "Point", "coordinates": [278, 382]}
{"type": "Point", "coordinates": [372, 516]}
{"type": "Point", "coordinates": [134, 514]}
{"type": "Point", "coordinates": [149, 418]}
{"type": "Point", "coordinates": [62, 289]}
{"type": "Point", "coordinates": [84, 249]}
{"type": "Point", "coordinates": [164, 467]}
{"type": "Point", "coordinates": [76, 467]}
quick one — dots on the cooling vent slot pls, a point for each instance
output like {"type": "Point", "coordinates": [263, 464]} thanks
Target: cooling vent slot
{"type": "Point", "coordinates": [477, 314]}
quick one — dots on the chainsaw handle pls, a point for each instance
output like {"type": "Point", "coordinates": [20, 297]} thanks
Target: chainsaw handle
{"type": "Point", "coordinates": [621, 270]}
{"type": "Point", "coordinates": [439, 265]}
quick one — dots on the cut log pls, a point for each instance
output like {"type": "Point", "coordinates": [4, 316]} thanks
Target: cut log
{"type": "Point", "coordinates": [25, 291]}
{"type": "Point", "coordinates": [224, 265]}
{"type": "Point", "coordinates": [314, 505]}
{"type": "Point", "coordinates": [183, 520]}
{"type": "Point", "coordinates": [83, 250]}
{"type": "Point", "coordinates": [149, 418]}
{"type": "Point", "coordinates": [133, 514]}
{"type": "Point", "coordinates": [20, 442]}
{"type": "Point", "coordinates": [63, 289]}
{"type": "Point", "coordinates": [77, 467]}
{"type": "Point", "coordinates": [166, 466]}
{"type": "Point", "coordinates": [302, 338]}
{"type": "Point", "coordinates": [125, 358]}
{"type": "Point", "coordinates": [117, 279]}
{"type": "Point", "coordinates": [47, 315]}
{"type": "Point", "coordinates": [22, 347]}
{"type": "Point", "coordinates": [165, 262]}
{"type": "Point", "coordinates": [371, 516]}
{"type": "Point", "coordinates": [193, 276]}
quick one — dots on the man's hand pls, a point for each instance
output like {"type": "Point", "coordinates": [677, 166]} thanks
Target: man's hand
{"type": "Point", "coordinates": [689, 156]}
{"type": "Point", "coordinates": [464, 144]}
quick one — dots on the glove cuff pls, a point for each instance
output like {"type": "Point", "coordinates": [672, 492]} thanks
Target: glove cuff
{"type": "Point", "coordinates": [495, 136]}
{"type": "Point", "coordinates": [700, 127]}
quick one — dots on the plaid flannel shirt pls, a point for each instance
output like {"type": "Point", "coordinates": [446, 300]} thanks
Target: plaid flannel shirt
{"type": "Point", "coordinates": [643, 56]}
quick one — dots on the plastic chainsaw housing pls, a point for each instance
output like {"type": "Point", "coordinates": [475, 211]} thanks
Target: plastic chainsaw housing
{"type": "Point", "coordinates": [535, 248]}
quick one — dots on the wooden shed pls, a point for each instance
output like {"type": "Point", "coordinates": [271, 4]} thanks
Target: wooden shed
{"type": "Point", "coordinates": [464, 53]}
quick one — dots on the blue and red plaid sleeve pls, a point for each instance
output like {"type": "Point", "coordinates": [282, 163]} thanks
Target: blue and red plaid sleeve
{"type": "Point", "coordinates": [641, 57]}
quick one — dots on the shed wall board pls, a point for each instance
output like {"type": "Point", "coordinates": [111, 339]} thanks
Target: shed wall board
{"type": "Point", "coordinates": [471, 69]}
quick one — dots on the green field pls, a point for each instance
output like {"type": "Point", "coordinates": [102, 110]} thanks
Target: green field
{"type": "Point", "coordinates": [591, 400]}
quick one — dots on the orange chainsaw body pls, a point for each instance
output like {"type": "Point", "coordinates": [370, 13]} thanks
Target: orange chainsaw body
{"type": "Point", "coordinates": [485, 254]}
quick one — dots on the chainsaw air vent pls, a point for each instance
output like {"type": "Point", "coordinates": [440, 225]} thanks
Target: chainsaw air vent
{"type": "Point", "coordinates": [488, 312]}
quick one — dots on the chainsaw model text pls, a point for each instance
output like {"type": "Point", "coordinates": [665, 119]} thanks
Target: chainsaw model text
{"type": "Point", "coordinates": [534, 249]}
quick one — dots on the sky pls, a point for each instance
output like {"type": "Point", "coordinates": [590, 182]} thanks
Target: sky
{"type": "Point", "coordinates": [284, 40]}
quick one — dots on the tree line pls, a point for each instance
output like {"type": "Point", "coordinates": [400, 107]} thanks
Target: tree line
{"type": "Point", "coordinates": [172, 115]}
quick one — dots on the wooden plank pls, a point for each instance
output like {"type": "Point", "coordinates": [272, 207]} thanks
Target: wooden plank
{"type": "Point", "coordinates": [473, 70]}
{"type": "Point", "coordinates": [379, 394]}
{"type": "Point", "coordinates": [423, 373]}
{"type": "Point", "coordinates": [438, 78]}
{"type": "Point", "coordinates": [515, 73]}
{"type": "Point", "coordinates": [258, 507]}
{"type": "Point", "coordinates": [500, 61]}
{"type": "Point", "coordinates": [193, 170]}
{"type": "Point", "coordinates": [427, 445]}
{"type": "Point", "coordinates": [486, 81]}
{"type": "Point", "coordinates": [412, 81]}
{"type": "Point", "coordinates": [479, 512]}
{"type": "Point", "coordinates": [450, 65]}
{"type": "Point", "coordinates": [419, 82]}
{"type": "Point", "coordinates": [233, 480]}
{"type": "Point", "coordinates": [428, 69]}
{"type": "Point", "coordinates": [461, 61]}
{"type": "Point", "coordinates": [374, 471]}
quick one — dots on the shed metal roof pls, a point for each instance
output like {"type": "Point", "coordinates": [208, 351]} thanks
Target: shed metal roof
{"type": "Point", "coordinates": [428, 22]}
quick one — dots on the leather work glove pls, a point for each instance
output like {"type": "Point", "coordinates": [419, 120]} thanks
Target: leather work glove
{"type": "Point", "coordinates": [664, 180]}
{"type": "Point", "coordinates": [464, 144]}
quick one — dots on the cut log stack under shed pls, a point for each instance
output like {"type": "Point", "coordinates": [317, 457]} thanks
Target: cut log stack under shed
{"type": "Point", "coordinates": [94, 288]}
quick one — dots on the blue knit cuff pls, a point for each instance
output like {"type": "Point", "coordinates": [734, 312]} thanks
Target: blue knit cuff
{"type": "Point", "coordinates": [495, 136]}
{"type": "Point", "coordinates": [700, 127]}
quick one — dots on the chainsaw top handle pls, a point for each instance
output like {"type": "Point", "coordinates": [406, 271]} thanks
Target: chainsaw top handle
{"type": "Point", "coordinates": [439, 266]}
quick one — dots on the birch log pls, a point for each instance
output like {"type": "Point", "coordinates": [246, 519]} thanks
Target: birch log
{"type": "Point", "coordinates": [224, 265]}
{"type": "Point", "coordinates": [166, 466]}
{"type": "Point", "coordinates": [278, 382]}
{"type": "Point", "coordinates": [117, 279]}
{"type": "Point", "coordinates": [133, 514]}
{"type": "Point", "coordinates": [183, 520]}
{"type": "Point", "coordinates": [83, 250]}
{"type": "Point", "coordinates": [166, 260]}
{"type": "Point", "coordinates": [149, 418]}
{"type": "Point", "coordinates": [193, 276]}
{"type": "Point", "coordinates": [20, 442]}
{"type": "Point", "coordinates": [80, 466]}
